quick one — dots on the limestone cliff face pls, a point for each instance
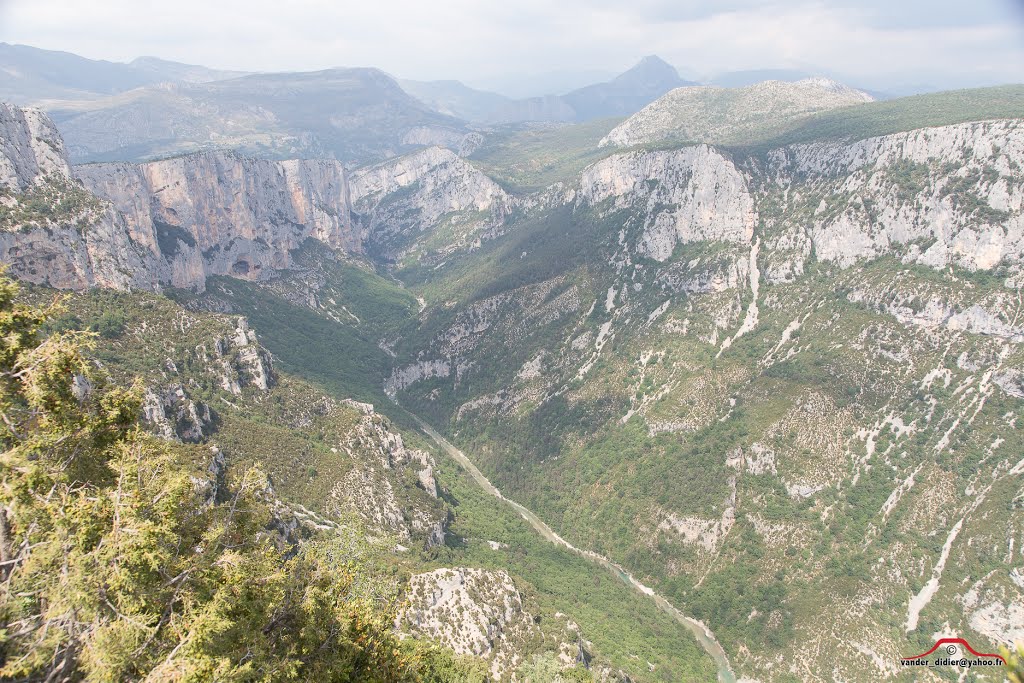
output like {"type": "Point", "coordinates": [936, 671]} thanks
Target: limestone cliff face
{"type": "Point", "coordinates": [686, 195]}
{"type": "Point", "coordinates": [235, 361]}
{"type": "Point", "coordinates": [949, 195]}
{"type": "Point", "coordinates": [177, 221]}
{"type": "Point", "coordinates": [172, 222]}
{"type": "Point", "coordinates": [52, 231]}
{"type": "Point", "coordinates": [30, 148]}
{"type": "Point", "coordinates": [374, 485]}
{"type": "Point", "coordinates": [79, 252]}
{"type": "Point", "coordinates": [401, 203]}
{"type": "Point", "coordinates": [221, 214]}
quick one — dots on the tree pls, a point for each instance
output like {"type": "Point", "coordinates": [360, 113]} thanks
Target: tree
{"type": "Point", "coordinates": [1014, 662]}
{"type": "Point", "coordinates": [118, 563]}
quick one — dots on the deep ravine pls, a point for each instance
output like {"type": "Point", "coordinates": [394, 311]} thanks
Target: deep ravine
{"type": "Point", "coordinates": [700, 631]}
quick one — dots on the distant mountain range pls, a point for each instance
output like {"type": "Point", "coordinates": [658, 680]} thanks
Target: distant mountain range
{"type": "Point", "coordinates": [32, 76]}
{"type": "Point", "coordinates": [625, 94]}
{"type": "Point", "coordinates": [151, 107]}
{"type": "Point", "coordinates": [29, 75]}
{"type": "Point", "coordinates": [357, 115]}
{"type": "Point", "coordinates": [732, 115]}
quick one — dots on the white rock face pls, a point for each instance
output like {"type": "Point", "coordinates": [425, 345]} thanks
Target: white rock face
{"type": "Point", "coordinates": [403, 377]}
{"type": "Point", "coordinates": [1011, 381]}
{"type": "Point", "coordinates": [171, 222]}
{"type": "Point", "coordinates": [221, 214]}
{"type": "Point", "coordinates": [759, 459]}
{"type": "Point", "coordinates": [67, 256]}
{"type": "Point", "coordinates": [701, 531]}
{"type": "Point", "coordinates": [472, 611]}
{"type": "Point", "coordinates": [948, 195]}
{"type": "Point", "coordinates": [369, 487]}
{"type": "Point", "coordinates": [401, 198]}
{"type": "Point", "coordinates": [30, 148]}
{"type": "Point", "coordinates": [1001, 623]}
{"type": "Point", "coordinates": [173, 415]}
{"type": "Point", "coordinates": [686, 195]}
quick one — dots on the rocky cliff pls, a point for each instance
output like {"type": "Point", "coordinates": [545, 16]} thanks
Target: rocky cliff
{"type": "Point", "coordinates": [472, 611]}
{"type": "Point", "coordinates": [427, 201]}
{"type": "Point", "coordinates": [217, 213]}
{"type": "Point", "coordinates": [52, 230]}
{"type": "Point", "coordinates": [30, 148]}
{"type": "Point", "coordinates": [688, 195]}
{"type": "Point", "coordinates": [172, 222]}
{"type": "Point", "coordinates": [949, 195]}
{"type": "Point", "coordinates": [177, 221]}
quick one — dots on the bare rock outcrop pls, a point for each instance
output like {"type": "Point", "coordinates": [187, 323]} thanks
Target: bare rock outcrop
{"type": "Point", "coordinates": [218, 213]}
{"type": "Point", "coordinates": [403, 201]}
{"type": "Point", "coordinates": [948, 195]}
{"type": "Point", "coordinates": [30, 148]}
{"type": "Point", "coordinates": [472, 611]}
{"type": "Point", "coordinates": [687, 195]}
{"type": "Point", "coordinates": [381, 465]}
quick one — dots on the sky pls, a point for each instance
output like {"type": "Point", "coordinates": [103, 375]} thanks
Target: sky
{"type": "Point", "coordinates": [512, 44]}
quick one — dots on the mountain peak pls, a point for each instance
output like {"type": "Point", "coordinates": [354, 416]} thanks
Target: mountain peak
{"type": "Point", "coordinates": [835, 87]}
{"type": "Point", "coordinates": [654, 60]}
{"type": "Point", "coordinates": [651, 69]}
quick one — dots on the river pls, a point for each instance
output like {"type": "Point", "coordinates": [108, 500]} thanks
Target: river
{"type": "Point", "coordinates": [701, 632]}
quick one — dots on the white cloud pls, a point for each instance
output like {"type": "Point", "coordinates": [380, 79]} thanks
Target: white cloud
{"type": "Point", "coordinates": [471, 40]}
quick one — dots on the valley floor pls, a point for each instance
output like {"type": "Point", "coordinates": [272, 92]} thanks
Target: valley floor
{"type": "Point", "coordinates": [700, 631]}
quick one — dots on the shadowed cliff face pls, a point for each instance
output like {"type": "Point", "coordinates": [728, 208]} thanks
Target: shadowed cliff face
{"type": "Point", "coordinates": [173, 222]}
{"type": "Point", "coordinates": [221, 214]}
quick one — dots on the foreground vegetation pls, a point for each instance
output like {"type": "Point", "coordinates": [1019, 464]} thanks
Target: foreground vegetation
{"type": "Point", "coordinates": [121, 561]}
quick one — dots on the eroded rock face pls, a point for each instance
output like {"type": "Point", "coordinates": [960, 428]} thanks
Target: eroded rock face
{"type": "Point", "coordinates": [30, 148]}
{"type": "Point", "coordinates": [173, 415]}
{"type": "Point", "coordinates": [940, 196]}
{"type": "Point", "coordinates": [472, 611]}
{"type": "Point", "coordinates": [403, 377]}
{"type": "Point", "coordinates": [171, 222]}
{"type": "Point", "coordinates": [221, 214]}
{"type": "Point", "coordinates": [686, 195]}
{"type": "Point", "coordinates": [380, 461]}
{"type": "Point", "coordinates": [53, 231]}
{"type": "Point", "coordinates": [236, 361]}
{"type": "Point", "coordinates": [241, 361]}
{"type": "Point", "coordinates": [402, 201]}
{"type": "Point", "coordinates": [77, 252]}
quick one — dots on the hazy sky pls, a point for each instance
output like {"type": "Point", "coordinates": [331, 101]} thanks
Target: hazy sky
{"type": "Point", "coordinates": [876, 43]}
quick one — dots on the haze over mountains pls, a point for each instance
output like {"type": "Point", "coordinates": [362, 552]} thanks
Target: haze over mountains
{"type": "Point", "coordinates": [152, 108]}
{"type": "Point", "coordinates": [29, 75]}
